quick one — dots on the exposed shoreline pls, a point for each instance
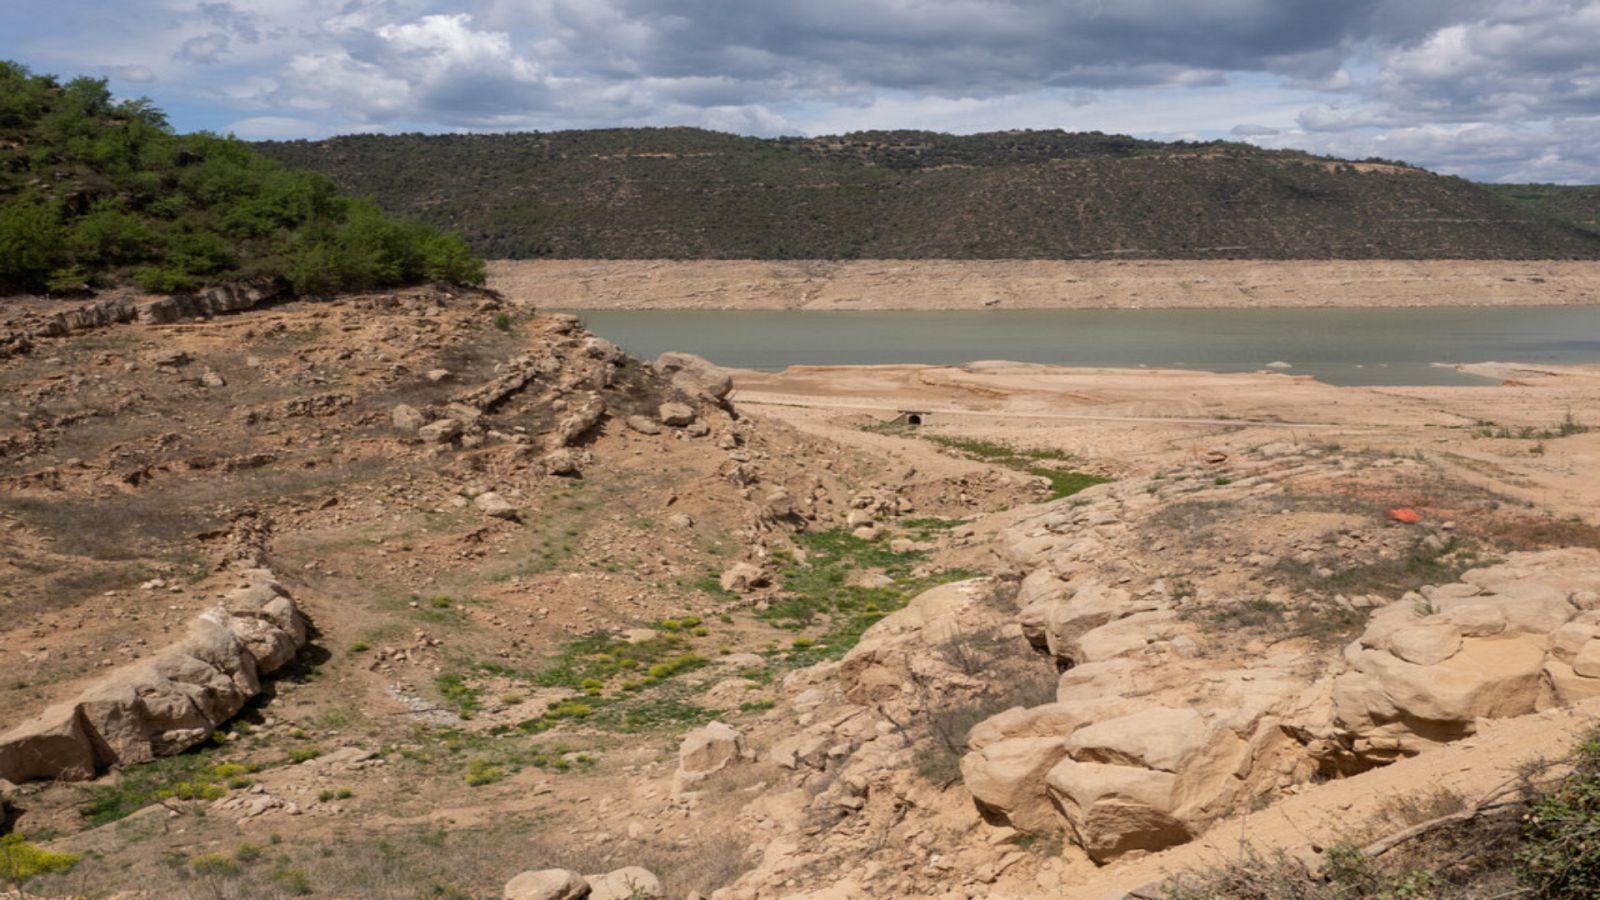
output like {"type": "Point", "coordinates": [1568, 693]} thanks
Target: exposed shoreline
{"type": "Point", "coordinates": [1043, 284]}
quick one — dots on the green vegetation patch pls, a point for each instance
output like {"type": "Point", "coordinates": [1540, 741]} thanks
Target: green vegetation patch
{"type": "Point", "coordinates": [196, 775]}
{"type": "Point", "coordinates": [603, 657]}
{"type": "Point", "coordinates": [818, 589]}
{"type": "Point", "coordinates": [21, 861]}
{"type": "Point", "coordinates": [457, 694]}
{"type": "Point", "coordinates": [1051, 465]}
{"type": "Point", "coordinates": [487, 758]}
{"type": "Point", "coordinates": [96, 192]}
{"type": "Point", "coordinates": [1560, 856]}
{"type": "Point", "coordinates": [652, 714]}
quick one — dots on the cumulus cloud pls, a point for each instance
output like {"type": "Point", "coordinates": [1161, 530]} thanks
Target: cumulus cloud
{"type": "Point", "coordinates": [437, 68]}
{"type": "Point", "coordinates": [1470, 85]}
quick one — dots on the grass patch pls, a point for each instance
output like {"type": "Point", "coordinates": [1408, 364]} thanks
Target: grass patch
{"type": "Point", "coordinates": [710, 584]}
{"type": "Point", "coordinates": [1052, 465]}
{"type": "Point", "coordinates": [654, 714]}
{"type": "Point", "coordinates": [196, 775]}
{"type": "Point", "coordinates": [1567, 427]}
{"type": "Point", "coordinates": [818, 589]}
{"type": "Point", "coordinates": [486, 758]}
{"type": "Point", "coordinates": [604, 657]}
{"type": "Point", "coordinates": [458, 695]}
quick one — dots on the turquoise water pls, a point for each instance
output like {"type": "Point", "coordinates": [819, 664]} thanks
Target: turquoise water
{"type": "Point", "coordinates": [1339, 346]}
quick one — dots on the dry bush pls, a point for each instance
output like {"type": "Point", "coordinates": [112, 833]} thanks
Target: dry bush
{"type": "Point", "coordinates": [1014, 675]}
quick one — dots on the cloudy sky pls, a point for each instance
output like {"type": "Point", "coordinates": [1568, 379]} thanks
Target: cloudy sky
{"type": "Point", "coordinates": [1500, 90]}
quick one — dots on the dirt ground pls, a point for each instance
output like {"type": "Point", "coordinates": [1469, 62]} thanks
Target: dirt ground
{"type": "Point", "coordinates": [1137, 420]}
{"type": "Point", "coordinates": [1040, 284]}
{"type": "Point", "coordinates": [414, 740]}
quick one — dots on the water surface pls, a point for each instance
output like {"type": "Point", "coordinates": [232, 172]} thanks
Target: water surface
{"type": "Point", "coordinates": [1339, 346]}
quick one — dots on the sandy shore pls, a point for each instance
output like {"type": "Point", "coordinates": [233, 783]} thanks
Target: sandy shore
{"type": "Point", "coordinates": [1040, 284]}
{"type": "Point", "coordinates": [1150, 418]}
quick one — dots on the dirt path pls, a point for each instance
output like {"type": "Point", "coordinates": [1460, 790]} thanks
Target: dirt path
{"type": "Point", "coordinates": [1040, 284]}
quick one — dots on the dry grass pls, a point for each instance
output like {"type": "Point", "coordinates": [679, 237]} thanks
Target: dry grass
{"type": "Point", "coordinates": [403, 864]}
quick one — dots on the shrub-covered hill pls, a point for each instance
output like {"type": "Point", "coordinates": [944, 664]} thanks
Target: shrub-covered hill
{"type": "Point", "coordinates": [98, 192]}
{"type": "Point", "coordinates": [1576, 203]}
{"type": "Point", "coordinates": [687, 193]}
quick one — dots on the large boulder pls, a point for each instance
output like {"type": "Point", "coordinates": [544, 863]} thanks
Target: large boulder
{"type": "Point", "coordinates": [742, 577]}
{"type": "Point", "coordinates": [547, 884]}
{"type": "Point", "coordinates": [626, 883]}
{"type": "Point", "coordinates": [491, 503]}
{"type": "Point", "coordinates": [407, 418]}
{"type": "Point", "coordinates": [1114, 809]}
{"type": "Point", "coordinates": [1006, 779]}
{"type": "Point", "coordinates": [440, 431]}
{"type": "Point", "coordinates": [170, 701]}
{"type": "Point", "coordinates": [695, 376]}
{"type": "Point", "coordinates": [581, 417]}
{"type": "Point", "coordinates": [706, 751]}
{"type": "Point", "coordinates": [1506, 640]}
{"type": "Point", "coordinates": [879, 665]}
{"type": "Point", "coordinates": [642, 424]}
{"type": "Point", "coordinates": [675, 415]}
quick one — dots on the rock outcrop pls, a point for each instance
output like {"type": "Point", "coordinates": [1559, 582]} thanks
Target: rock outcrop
{"type": "Point", "coordinates": [706, 751]}
{"type": "Point", "coordinates": [1506, 640]}
{"type": "Point", "coordinates": [168, 702]}
{"type": "Point", "coordinates": [696, 377]}
{"type": "Point", "coordinates": [626, 883]}
{"type": "Point", "coordinates": [547, 884]}
{"type": "Point", "coordinates": [1150, 740]}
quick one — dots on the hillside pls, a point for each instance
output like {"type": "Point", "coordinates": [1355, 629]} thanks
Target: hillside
{"type": "Point", "coordinates": [685, 193]}
{"type": "Point", "coordinates": [1575, 203]}
{"type": "Point", "coordinates": [99, 193]}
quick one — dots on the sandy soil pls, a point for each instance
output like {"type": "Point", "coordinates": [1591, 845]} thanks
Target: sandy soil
{"type": "Point", "coordinates": [1040, 284]}
{"type": "Point", "coordinates": [1139, 420]}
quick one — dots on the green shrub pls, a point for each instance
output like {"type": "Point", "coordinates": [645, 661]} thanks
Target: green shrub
{"type": "Point", "coordinates": [181, 211]}
{"type": "Point", "coordinates": [481, 772]}
{"type": "Point", "coordinates": [247, 853]}
{"type": "Point", "coordinates": [1561, 853]}
{"type": "Point", "coordinates": [214, 864]}
{"type": "Point", "coordinates": [21, 861]}
{"type": "Point", "coordinates": [294, 881]}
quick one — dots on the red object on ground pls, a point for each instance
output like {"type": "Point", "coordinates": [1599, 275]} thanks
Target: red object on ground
{"type": "Point", "coordinates": [1405, 514]}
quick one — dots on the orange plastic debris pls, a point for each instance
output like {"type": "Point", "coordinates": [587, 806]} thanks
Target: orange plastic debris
{"type": "Point", "coordinates": [1405, 514]}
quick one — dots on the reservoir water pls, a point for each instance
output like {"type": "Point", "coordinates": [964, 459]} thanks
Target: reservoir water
{"type": "Point", "coordinates": [1338, 346]}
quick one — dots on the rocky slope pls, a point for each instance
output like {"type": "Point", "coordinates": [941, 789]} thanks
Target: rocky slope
{"type": "Point", "coordinates": [520, 561]}
{"type": "Point", "coordinates": [561, 616]}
